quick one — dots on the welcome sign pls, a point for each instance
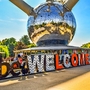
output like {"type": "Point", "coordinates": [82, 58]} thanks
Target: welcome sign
{"type": "Point", "coordinates": [38, 63]}
{"type": "Point", "coordinates": [47, 62]}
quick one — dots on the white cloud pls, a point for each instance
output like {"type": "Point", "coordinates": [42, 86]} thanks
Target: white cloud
{"type": "Point", "coordinates": [13, 19]}
{"type": "Point", "coordinates": [21, 20]}
{"type": "Point", "coordinates": [1, 20]}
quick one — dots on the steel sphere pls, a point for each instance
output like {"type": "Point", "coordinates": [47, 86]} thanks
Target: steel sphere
{"type": "Point", "coordinates": [52, 25]}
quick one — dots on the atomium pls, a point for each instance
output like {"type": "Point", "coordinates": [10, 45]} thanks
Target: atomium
{"type": "Point", "coordinates": [51, 26]}
{"type": "Point", "coordinates": [50, 23]}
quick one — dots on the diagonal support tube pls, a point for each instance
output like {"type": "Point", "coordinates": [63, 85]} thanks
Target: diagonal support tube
{"type": "Point", "coordinates": [24, 7]}
{"type": "Point", "coordinates": [70, 4]}
{"type": "Point", "coordinates": [49, 0]}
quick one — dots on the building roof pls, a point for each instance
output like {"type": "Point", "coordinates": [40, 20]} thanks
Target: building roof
{"type": "Point", "coordinates": [60, 47]}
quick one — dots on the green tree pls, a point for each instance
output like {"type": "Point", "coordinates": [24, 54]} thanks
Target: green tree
{"type": "Point", "coordinates": [87, 45]}
{"type": "Point", "coordinates": [19, 46]}
{"type": "Point", "coordinates": [4, 48]}
{"type": "Point", "coordinates": [5, 41]}
{"type": "Point", "coordinates": [10, 43]}
{"type": "Point", "coordinates": [31, 45]}
{"type": "Point", "coordinates": [12, 40]}
{"type": "Point", "coordinates": [0, 42]}
{"type": "Point", "coordinates": [11, 48]}
{"type": "Point", "coordinates": [25, 39]}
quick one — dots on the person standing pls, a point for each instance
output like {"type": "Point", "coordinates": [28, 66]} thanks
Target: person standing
{"type": "Point", "coordinates": [22, 62]}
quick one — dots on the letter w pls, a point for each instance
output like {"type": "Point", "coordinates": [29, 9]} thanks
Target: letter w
{"type": "Point", "coordinates": [36, 63]}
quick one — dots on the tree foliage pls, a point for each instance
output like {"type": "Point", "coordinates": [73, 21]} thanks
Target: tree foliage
{"type": "Point", "coordinates": [10, 43]}
{"type": "Point", "coordinates": [25, 39]}
{"type": "Point", "coordinates": [4, 49]}
{"type": "Point", "coordinates": [87, 45]}
{"type": "Point", "coordinates": [0, 42]}
{"type": "Point", "coordinates": [19, 46]}
{"type": "Point", "coordinates": [31, 45]}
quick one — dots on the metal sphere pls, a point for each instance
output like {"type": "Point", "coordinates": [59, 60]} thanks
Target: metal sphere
{"type": "Point", "coordinates": [53, 25]}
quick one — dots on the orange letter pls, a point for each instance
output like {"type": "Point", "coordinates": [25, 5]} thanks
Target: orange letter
{"type": "Point", "coordinates": [82, 59]}
{"type": "Point", "coordinates": [74, 60]}
{"type": "Point", "coordinates": [87, 59]}
{"type": "Point", "coordinates": [58, 66]}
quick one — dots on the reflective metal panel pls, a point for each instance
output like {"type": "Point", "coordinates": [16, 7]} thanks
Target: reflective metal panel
{"type": "Point", "coordinates": [52, 25]}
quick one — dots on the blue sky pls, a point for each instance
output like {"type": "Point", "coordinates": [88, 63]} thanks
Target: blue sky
{"type": "Point", "coordinates": [13, 21]}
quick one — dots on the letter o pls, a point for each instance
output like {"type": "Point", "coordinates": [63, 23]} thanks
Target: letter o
{"type": "Point", "coordinates": [5, 67]}
{"type": "Point", "coordinates": [15, 65]}
{"type": "Point", "coordinates": [74, 60]}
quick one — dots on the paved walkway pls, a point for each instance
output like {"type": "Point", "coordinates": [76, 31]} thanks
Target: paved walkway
{"type": "Point", "coordinates": [80, 83]}
{"type": "Point", "coordinates": [67, 79]}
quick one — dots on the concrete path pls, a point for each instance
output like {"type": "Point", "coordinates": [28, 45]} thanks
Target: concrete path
{"type": "Point", "coordinates": [56, 80]}
{"type": "Point", "coordinates": [79, 83]}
